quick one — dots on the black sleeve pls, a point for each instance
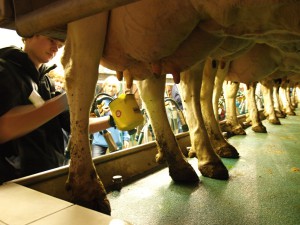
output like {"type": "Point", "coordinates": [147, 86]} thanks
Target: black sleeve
{"type": "Point", "coordinates": [64, 119]}
{"type": "Point", "coordinates": [14, 90]}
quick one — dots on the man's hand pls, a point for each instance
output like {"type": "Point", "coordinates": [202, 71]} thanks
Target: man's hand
{"type": "Point", "coordinates": [101, 109]}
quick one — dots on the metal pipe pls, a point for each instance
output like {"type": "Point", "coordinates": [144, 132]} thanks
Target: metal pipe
{"type": "Point", "coordinates": [184, 125]}
{"type": "Point", "coordinates": [60, 12]}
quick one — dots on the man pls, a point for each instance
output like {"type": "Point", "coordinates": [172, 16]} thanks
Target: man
{"type": "Point", "coordinates": [31, 120]}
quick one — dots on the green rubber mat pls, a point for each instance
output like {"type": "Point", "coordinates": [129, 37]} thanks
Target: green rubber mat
{"type": "Point", "coordinates": [264, 186]}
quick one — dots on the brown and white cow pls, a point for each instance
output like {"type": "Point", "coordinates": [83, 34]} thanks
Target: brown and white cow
{"type": "Point", "coordinates": [145, 40]}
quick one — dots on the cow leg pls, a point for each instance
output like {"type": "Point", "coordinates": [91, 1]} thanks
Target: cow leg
{"type": "Point", "coordinates": [219, 143]}
{"type": "Point", "coordinates": [293, 96]}
{"type": "Point", "coordinates": [219, 80]}
{"type": "Point", "coordinates": [277, 104]}
{"type": "Point", "coordinates": [297, 93]}
{"type": "Point", "coordinates": [152, 93]}
{"type": "Point", "coordinates": [256, 123]}
{"type": "Point", "coordinates": [81, 60]}
{"type": "Point", "coordinates": [209, 164]}
{"type": "Point", "coordinates": [232, 123]}
{"type": "Point", "coordinates": [284, 93]}
{"type": "Point", "coordinates": [289, 97]}
{"type": "Point", "coordinates": [268, 102]}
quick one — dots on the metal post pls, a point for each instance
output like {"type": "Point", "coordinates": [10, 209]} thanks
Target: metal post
{"type": "Point", "coordinates": [61, 12]}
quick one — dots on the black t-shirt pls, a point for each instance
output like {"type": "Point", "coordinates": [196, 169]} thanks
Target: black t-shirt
{"type": "Point", "coordinates": [43, 148]}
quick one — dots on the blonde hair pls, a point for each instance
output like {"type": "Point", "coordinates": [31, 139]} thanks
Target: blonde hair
{"type": "Point", "coordinates": [111, 80]}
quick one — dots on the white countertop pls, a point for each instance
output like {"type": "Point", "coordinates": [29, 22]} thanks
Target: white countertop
{"type": "Point", "coordinates": [20, 205]}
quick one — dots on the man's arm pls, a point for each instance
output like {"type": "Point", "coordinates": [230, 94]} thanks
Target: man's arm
{"type": "Point", "coordinates": [99, 123]}
{"type": "Point", "coordinates": [21, 120]}
{"type": "Point", "coordinates": [26, 118]}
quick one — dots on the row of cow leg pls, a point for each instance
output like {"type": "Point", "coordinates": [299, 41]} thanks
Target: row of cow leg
{"type": "Point", "coordinates": [232, 124]}
{"type": "Point", "coordinates": [230, 89]}
{"type": "Point", "coordinates": [206, 137]}
{"type": "Point", "coordinates": [230, 92]}
{"type": "Point", "coordinates": [275, 106]}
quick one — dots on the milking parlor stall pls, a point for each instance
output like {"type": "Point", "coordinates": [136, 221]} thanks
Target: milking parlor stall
{"type": "Point", "coordinates": [263, 183]}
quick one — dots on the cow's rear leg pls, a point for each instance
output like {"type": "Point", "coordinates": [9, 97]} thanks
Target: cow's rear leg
{"type": "Point", "coordinates": [269, 111]}
{"type": "Point", "coordinates": [220, 145]}
{"type": "Point", "coordinates": [152, 94]}
{"type": "Point", "coordinates": [81, 60]}
{"type": "Point", "coordinates": [256, 123]}
{"type": "Point", "coordinates": [232, 123]}
{"type": "Point", "coordinates": [209, 163]}
{"type": "Point", "coordinates": [278, 107]}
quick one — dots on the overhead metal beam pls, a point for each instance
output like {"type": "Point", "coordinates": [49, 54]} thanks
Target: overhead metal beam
{"type": "Point", "coordinates": [59, 13]}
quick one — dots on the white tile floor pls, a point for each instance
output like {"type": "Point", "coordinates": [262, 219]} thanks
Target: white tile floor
{"type": "Point", "coordinates": [20, 205]}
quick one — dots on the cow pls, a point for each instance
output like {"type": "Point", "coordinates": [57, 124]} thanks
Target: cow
{"type": "Point", "coordinates": [266, 63]}
{"type": "Point", "coordinates": [145, 40]}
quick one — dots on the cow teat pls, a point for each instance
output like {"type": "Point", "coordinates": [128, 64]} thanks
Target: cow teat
{"type": "Point", "coordinates": [176, 77]}
{"type": "Point", "coordinates": [119, 75]}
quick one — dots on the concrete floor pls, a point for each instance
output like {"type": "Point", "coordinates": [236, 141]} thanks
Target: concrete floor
{"type": "Point", "coordinates": [264, 186]}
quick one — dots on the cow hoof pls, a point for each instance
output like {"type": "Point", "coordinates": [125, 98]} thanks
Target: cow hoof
{"type": "Point", "coordinates": [239, 131]}
{"type": "Point", "coordinates": [159, 158]}
{"type": "Point", "coordinates": [259, 129]}
{"type": "Point", "coordinates": [274, 121]}
{"type": "Point", "coordinates": [98, 204]}
{"type": "Point", "coordinates": [103, 207]}
{"type": "Point", "coordinates": [291, 113]}
{"type": "Point", "coordinates": [214, 170]}
{"type": "Point", "coordinates": [192, 153]}
{"type": "Point", "coordinates": [280, 114]}
{"type": "Point", "coordinates": [184, 174]}
{"type": "Point", "coordinates": [227, 151]}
